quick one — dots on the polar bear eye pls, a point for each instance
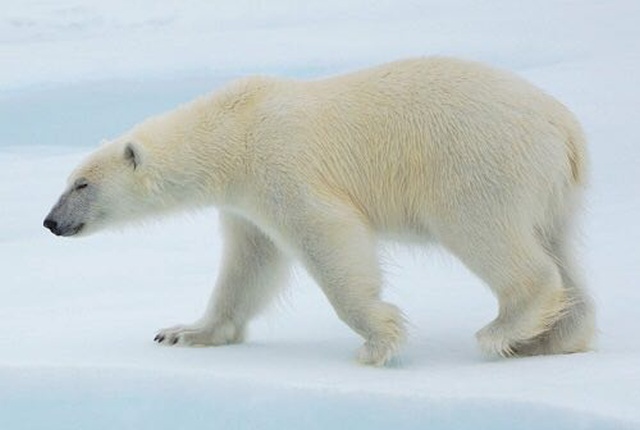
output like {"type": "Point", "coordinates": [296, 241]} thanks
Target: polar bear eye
{"type": "Point", "coordinates": [81, 186]}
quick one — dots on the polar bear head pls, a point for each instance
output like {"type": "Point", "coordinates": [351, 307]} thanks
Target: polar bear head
{"type": "Point", "coordinates": [110, 186]}
{"type": "Point", "coordinates": [188, 158]}
{"type": "Point", "coordinates": [161, 166]}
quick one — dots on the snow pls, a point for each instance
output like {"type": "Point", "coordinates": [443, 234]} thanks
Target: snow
{"type": "Point", "coordinates": [79, 316]}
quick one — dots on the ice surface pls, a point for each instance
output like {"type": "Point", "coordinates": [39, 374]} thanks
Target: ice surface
{"type": "Point", "coordinates": [79, 316]}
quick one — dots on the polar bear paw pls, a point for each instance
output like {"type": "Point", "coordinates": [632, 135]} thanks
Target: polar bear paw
{"type": "Point", "coordinates": [199, 334]}
{"type": "Point", "coordinates": [494, 340]}
{"type": "Point", "coordinates": [376, 354]}
{"type": "Point", "coordinates": [387, 334]}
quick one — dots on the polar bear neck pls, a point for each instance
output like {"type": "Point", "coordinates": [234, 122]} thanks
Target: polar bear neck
{"type": "Point", "coordinates": [197, 152]}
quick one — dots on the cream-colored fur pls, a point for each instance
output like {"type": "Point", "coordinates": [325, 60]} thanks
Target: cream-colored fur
{"type": "Point", "coordinates": [424, 150]}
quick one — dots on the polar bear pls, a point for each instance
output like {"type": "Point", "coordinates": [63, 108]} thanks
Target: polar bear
{"type": "Point", "coordinates": [421, 150]}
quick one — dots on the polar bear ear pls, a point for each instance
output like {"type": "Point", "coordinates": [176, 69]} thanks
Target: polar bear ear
{"type": "Point", "coordinates": [133, 155]}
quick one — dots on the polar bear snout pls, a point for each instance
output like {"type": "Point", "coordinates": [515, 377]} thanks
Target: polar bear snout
{"type": "Point", "coordinates": [71, 213]}
{"type": "Point", "coordinates": [60, 226]}
{"type": "Point", "coordinates": [62, 229]}
{"type": "Point", "coordinates": [52, 225]}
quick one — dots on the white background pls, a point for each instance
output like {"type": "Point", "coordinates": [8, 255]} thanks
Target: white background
{"type": "Point", "coordinates": [78, 316]}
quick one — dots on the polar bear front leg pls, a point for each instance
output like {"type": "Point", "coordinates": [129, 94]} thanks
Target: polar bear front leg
{"type": "Point", "coordinates": [252, 271]}
{"type": "Point", "coordinates": [340, 253]}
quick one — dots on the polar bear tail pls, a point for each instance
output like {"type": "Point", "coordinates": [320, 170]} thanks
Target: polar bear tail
{"type": "Point", "coordinates": [576, 151]}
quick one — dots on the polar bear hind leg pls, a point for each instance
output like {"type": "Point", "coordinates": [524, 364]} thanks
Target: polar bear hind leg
{"type": "Point", "coordinates": [574, 331]}
{"type": "Point", "coordinates": [521, 274]}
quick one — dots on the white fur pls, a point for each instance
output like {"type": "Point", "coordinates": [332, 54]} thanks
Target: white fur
{"type": "Point", "coordinates": [422, 150]}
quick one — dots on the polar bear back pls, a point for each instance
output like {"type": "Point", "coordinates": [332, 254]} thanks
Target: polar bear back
{"type": "Point", "coordinates": [432, 139]}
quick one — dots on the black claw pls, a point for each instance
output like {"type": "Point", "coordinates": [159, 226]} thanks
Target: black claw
{"type": "Point", "coordinates": [174, 341]}
{"type": "Point", "coordinates": [159, 338]}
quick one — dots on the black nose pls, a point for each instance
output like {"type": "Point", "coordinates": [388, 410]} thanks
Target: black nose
{"type": "Point", "coordinates": [51, 225]}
